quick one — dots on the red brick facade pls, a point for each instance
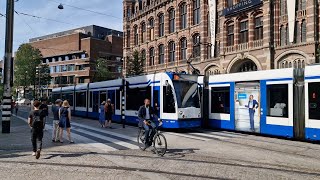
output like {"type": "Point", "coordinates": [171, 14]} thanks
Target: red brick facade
{"type": "Point", "coordinates": [256, 35]}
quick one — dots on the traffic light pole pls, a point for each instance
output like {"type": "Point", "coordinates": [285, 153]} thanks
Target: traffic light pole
{"type": "Point", "coordinates": [7, 79]}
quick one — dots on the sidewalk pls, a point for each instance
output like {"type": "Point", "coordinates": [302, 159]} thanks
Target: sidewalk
{"type": "Point", "coordinates": [57, 161]}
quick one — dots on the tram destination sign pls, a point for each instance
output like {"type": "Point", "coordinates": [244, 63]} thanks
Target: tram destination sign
{"type": "Point", "coordinates": [241, 6]}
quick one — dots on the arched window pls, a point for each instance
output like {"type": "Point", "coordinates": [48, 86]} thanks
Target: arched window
{"type": "Point", "coordinates": [172, 20]}
{"type": "Point", "coordinates": [247, 66]}
{"type": "Point", "coordinates": [244, 32]}
{"type": "Point", "coordinates": [304, 31]}
{"type": "Point", "coordinates": [196, 45]}
{"type": "Point", "coordinates": [258, 28]}
{"type": "Point", "coordinates": [172, 51]}
{"type": "Point", "coordinates": [230, 35]}
{"type": "Point", "coordinates": [143, 56]}
{"type": "Point", "coordinates": [184, 48]}
{"type": "Point", "coordinates": [282, 36]}
{"type": "Point", "coordinates": [143, 32]}
{"type": "Point", "coordinates": [136, 35]}
{"type": "Point", "coordinates": [196, 12]}
{"type": "Point", "coordinates": [183, 16]}
{"type": "Point", "coordinates": [151, 29]}
{"type": "Point", "coordinates": [151, 56]}
{"type": "Point", "coordinates": [161, 25]}
{"type": "Point", "coordinates": [297, 33]}
{"type": "Point", "coordinates": [161, 54]}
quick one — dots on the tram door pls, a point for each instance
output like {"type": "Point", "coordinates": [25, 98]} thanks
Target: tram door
{"type": "Point", "coordinates": [244, 112]}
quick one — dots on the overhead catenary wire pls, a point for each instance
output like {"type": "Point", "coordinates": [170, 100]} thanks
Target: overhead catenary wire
{"type": "Point", "coordinates": [88, 10]}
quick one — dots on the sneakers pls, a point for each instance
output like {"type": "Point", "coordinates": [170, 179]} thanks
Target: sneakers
{"type": "Point", "coordinates": [33, 153]}
{"type": "Point", "coordinates": [38, 154]}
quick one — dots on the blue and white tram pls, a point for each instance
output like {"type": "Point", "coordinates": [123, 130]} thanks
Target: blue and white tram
{"type": "Point", "coordinates": [101, 91]}
{"type": "Point", "coordinates": [175, 96]}
{"type": "Point", "coordinates": [312, 102]}
{"type": "Point", "coordinates": [273, 89]}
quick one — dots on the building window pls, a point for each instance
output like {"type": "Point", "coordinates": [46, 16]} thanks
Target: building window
{"type": "Point", "coordinates": [136, 35]}
{"type": "Point", "coordinates": [128, 38]}
{"type": "Point", "coordinates": [151, 29]}
{"type": "Point", "coordinates": [71, 79]}
{"type": "Point", "coordinates": [64, 68]}
{"type": "Point", "coordinates": [53, 59]}
{"type": "Point", "coordinates": [282, 36]}
{"type": "Point", "coordinates": [57, 68]}
{"type": "Point", "coordinates": [304, 31]}
{"type": "Point", "coordinates": [277, 100]}
{"type": "Point", "coordinates": [71, 67]}
{"type": "Point", "coordinates": [230, 34]}
{"type": "Point", "coordinates": [171, 20]}
{"type": "Point", "coordinates": [196, 12]}
{"type": "Point", "coordinates": [297, 32]}
{"type": "Point", "coordinates": [183, 45]}
{"type": "Point", "coordinates": [83, 56]}
{"type": "Point", "coordinates": [283, 7]}
{"type": "Point", "coordinates": [287, 35]}
{"type": "Point", "coordinates": [172, 53]}
{"type": "Point", "coordinates": [183, 16]}
{"type": "Point", "coordinates": [258, 30]}
{"type": "Point", "coordinates": [247, 67]}
{"type": "Point", "coordinates": [143, 56]}
{"type": "Point", "coordinates": [301, 5]}
{"type": "Point", "coordinates": [161, 54]}
{"type": "Point", "coordinates": [81, 80]}
{"type": "Point", "coordinates": [244, 32]}
{"type": "Point", "coordinates": [229, 3]}
{"type": "Point", "coordinates": [161, 25]}
{"type": "Point", "coordinates": [151, 56]}
{"type": "Point", "coordinates": [59, 58]}
{"type": "Point", "coordinates": [143, 32]}
{"type": "Point", "coordinates": [196, 45]}
{"type": "Point", "coordinates": [52, 69]}
{"type": "Point", "coordinates": [66, 58]}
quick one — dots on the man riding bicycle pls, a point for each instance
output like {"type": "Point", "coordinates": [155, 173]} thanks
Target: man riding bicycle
{"type": "Point", "coordinates": [146, 115]}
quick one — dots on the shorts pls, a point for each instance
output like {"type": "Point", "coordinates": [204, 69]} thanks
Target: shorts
{"type": "Point", "coordinates": [64, 124]}
{"type": "Point", "coordinates": [108, 116]}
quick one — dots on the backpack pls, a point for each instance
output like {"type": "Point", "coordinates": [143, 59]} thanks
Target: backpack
{"type": "Point", "coordinates": [37, 122]}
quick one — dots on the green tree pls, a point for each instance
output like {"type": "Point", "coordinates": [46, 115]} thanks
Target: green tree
{"type": "Point", "coordinates": [26, 62]}
{"type": "Point", "coordinates": [44, 73]}
{"type": "Point", "coordinates": [135, 64]}
{"type": "Point", "coordinates": [102, 72]}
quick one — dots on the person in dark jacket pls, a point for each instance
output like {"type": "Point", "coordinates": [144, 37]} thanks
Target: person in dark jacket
{"type": "Point", "coordinates": [146, 116]}
{"type": "Point", "coordinates": [55, 111]}
{"type": "Point", "coordinates": [45, 110]}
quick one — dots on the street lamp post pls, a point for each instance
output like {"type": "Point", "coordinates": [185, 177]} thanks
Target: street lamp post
{"type": "Point", "coordinates": [7, 80]}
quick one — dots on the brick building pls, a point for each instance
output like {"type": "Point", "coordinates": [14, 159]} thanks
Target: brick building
{"type": "Point", "coordinates": [224, 36]}
{"type": "Point", "coordinates": [71, 54]}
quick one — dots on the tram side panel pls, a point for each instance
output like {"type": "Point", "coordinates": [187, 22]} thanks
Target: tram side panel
{"type": "Point", "coordinates": [312, 103]}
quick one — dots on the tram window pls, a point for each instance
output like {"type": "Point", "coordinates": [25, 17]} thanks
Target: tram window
{"type": "Point", "coordinates": [220, 100]}
{"type": "Point", "coordinates": [277, 100]}
{"type": "Point", "coordinates": [111, 96]}
{"type": "Point", "coordinates": [314, 100]}
{"type": "Point", "coordinates": [91, 99]}
{"type": "Point", "coordinates": [95, 101]}
{"type": "Point", "coordinates": [168, 100]}
{"type": "Point", "coordinates": [68, 97]}
{"type": "Point", "coordinates": [118, 102]}
{"type": "Point", "coordinates": [55, 97]}
{"type": "Point", "coordinates": [136, 96]}
{"type": "Point", "coordinates": [103, 96]}
{"type": "Point", "coordinates": [81, 99]}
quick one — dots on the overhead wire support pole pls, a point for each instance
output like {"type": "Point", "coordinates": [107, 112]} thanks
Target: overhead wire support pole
{"type": "Point", "coordinates": [7, 80]}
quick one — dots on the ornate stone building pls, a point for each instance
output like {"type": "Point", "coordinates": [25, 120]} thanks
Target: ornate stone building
{"type": "Point", "coordinates": [224, 36]}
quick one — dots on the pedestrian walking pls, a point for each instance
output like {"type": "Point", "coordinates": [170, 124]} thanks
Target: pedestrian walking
{"type": "Point", "coordinates": [36, 122]}
{"type": "Point", "coordinates": [108, 108]}
{"type": "Point", "coordinates": [17, 108]}
{"type": "Point", "coordinates": [55, 111]}
{"type": "Point", "coordinates": [44, 108]}
{"type": "Point", "coordinates": [64, 120]}
{"type": "Point", "coordinates": [102, 118]}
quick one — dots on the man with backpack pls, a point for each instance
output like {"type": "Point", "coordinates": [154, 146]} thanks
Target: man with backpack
{"type": "Point", "coordinates": [45, 110]}
{"type": "Point", "coordinates": [36, 122]}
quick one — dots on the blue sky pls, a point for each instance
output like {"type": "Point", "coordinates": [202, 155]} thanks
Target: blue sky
{"type": "Point", "coordinates": [26, 27]}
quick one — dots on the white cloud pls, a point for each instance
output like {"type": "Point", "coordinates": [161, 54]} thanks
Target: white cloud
{"type": "Point", "coordinates": [48, 9]}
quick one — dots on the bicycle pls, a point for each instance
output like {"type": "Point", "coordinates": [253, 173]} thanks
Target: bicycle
{"type": "Point", "coordinates": [159, 142]}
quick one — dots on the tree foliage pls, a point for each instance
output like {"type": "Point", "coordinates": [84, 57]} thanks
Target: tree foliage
{"type": "Point", "coordinates": [44, 73]}
{"type": "Point", "coordinates": [26, 62]}
{"type": "Point", "coordinates": [102, 72]}
{"type": "Point", "coordinates": [135, 64]}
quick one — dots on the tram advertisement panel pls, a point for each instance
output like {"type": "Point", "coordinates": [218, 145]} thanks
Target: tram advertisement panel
{"type": "Point", "coordinates": [247, 111]}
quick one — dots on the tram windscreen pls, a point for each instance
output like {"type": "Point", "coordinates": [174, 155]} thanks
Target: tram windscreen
{"type": "Point", "coordinates": [187, 93]}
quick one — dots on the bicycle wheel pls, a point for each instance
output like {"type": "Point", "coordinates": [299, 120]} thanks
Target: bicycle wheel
{"type": "Point", "coordinates": [160, 144]}
{"type": "Point", "coordinates": [140, 139]}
